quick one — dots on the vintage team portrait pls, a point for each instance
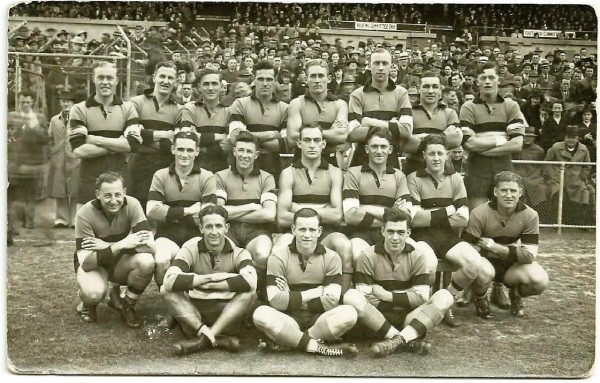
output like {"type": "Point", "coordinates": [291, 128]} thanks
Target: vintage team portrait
{"type": "Point", "coordinates": [301, 189]}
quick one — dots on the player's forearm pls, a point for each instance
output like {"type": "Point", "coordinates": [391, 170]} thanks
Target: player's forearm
{"type": "Point", "coordinates": [237, 212]}
{"type": "Point", "coordinates": [264, 215]}
{"type": "Point", "coordinates": [90, 151]}
{"type": "Point", "coordinates": [285, 219]}
{"type": "Point", "coordinates": [512, 146]}
{"type": "Point", "coordinates": [118, 145]}
{"type": "Point", "coordinates": [480, 144]}
{"type": "Point", "coordinates": [336, 136]}
{"type": "Point", "coordinates": [375, 211]}
{"type": "Point", "coordinates": [267, 136]}
{"type": "Point", "coordinates": [331, 215]}
{"type": "Point", "coordinates": [310, 294]}
{"type": "Point", "coordinates": [358, 134]}
{"type": "Point", "coordinates": [272, 145]}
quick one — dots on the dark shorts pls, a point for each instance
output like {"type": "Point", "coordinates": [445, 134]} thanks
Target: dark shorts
{"type": "Point", "coordinates": [142, 167]}
{"type": "Point", "coordinates": [501, 267]}
{"type": "Point", "coordinates": [241, 233]}
{"type": "Point", "coordinates": [479, 179]}
{"type": "Point", "coordinates": [305, 319]}
{"type": "Point", "coordinates": [440, 240]}
{"type": "Point", "coordinates": [90, 169]}
{"type": "Point", "coordinates": [210, 310]}
{"type": "Point", "coordinates": [370, 236]}
{"type": "Point", "coordinates": [180, 236]}
{"type": "Point", "coordinates": [329, 229]}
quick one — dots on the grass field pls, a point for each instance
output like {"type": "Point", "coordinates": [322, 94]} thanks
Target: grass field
{"type": "Point", "coordinates": [45, 335]}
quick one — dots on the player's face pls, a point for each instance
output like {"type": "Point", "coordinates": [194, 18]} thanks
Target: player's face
{"type": "Point", "coordinates": [435, 157]}
{"type": "Point", "coordinates": [185, 151]}
{"type": "Point", "coordinates": [264, 81]}
{"type": "Point", "coordinates": [395, 235]}
{"type": "Point", "coordinates": [65, 105]}
{"type": "Point", "coordinates": [105, 80]}
{"type": "Point", "coordinates": [306, 233]}
{"type": "Point", "coordinates": [317, 79]}
{"type": "Point", "coordinates": [311, 143]}
{"type": "Point", "coordinates": [378, 149]}
{"type": "Point", "coordinates": [164, 80]}
{"type": "Point", "coordinates": [245, 154]}
{"type": "Point", "coordinates": [430, 90]}
{"type": "Point", "coordinates": [111, 196]}
{"type": "Point", "coordinates": [380, 66]}
{"type": "Point", "coordinates": [213, 230]}
{"type": "Point", "coordinates": [456, 153]}
{"type": "Point", "coordinates": [210, 87]}
{"type": "Point", "coordinates": [508, 194]}
{"type": "Point", "coordinates": [488, 82]}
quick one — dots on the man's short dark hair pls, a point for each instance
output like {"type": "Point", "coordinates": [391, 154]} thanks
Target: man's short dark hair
{"type": "Point", "coordinates": [263, 65]}
{"type": "Point", "coordinates": [377, 131]}
{"type": "Point", "coordinates": [206, 72]}
{"type": "Point", "coordinates": [213, 209]}
{"type": "Point", "coordinates": [395, 215]}
{"type": "Point", "coordinates": [433, 139]}
{"type": "Point", "coordinates": [186, 135]}
{"type": "Point", "coordinates": [108, 178]}
{"type": "Point", "coordinates": [27, 93]}
{"type": "Point", "coordinates": [312, 125]}
{"type": "Point", "coordinates": [488, 65]}
{"type": "Point", "coordinates": [245, 136]}
{"type": "Point", "coordinates": [306, 212]}
{"type": "Point", "coordinates": [508, 176]}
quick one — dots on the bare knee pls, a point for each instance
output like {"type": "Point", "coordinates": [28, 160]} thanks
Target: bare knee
{"type": "Point", "coordinates": [261, 316]}
{"type": "Point", "coordinates": [145, 263]}
{"type": "Point", "coordinates": [355, 299]}
{"type": "Point", "coordinates": [486, 270]}
{"type": "Point", "coordinates": [93, 293]}
{"type": "Point", "coordinates": [261, 256]}
{"type": "Point", "coordinates": [442, 299]}
{"type": "Point", "coordinates": [347, 316]}
{"type": "Point", "coordinates": [539, 282]}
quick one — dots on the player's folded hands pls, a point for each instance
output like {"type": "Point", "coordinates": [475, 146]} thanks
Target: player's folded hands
{"type": "Point", "coordinates": [94, 244]}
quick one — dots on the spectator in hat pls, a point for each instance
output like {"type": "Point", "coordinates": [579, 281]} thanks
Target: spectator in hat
{"type": "Point", "coordinates": [535, 192]}
{"type": "Point", "coordinates": [589, 130]}
{"type": "Point", "coordinates": [545, 76]}
{"type": "Point", "coordinates": [336, 80]}
{"type": "Point", "coordinates": [413, 96]}
{"type": "Point", "coordinates": [348, 85]}
{"type": "Point", "coordinates": [503, 73]}
{"type": "Point", "coordinates": [63, 169]}
{"type": "Point", "coordinates": [533, 83]}
{"type": "Point", "coordinates": [578, 191]}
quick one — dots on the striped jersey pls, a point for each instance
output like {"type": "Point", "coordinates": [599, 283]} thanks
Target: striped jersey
{"type": "Point", "coordinates": [308, 190]}
{"type": "Point", "coordinates": [235, 189]}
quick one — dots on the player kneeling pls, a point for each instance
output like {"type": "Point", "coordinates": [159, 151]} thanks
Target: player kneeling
{"type": "Point", "coordinates": [506, 231]}
{"type": "Point", "coordinates": [114, 243]}
{"type": "Point", "coordinates": [210, 282]}
{"type": "Point", "coordinates": [304, 288]}
{"type": "Point", "coordinates": [392, 290]}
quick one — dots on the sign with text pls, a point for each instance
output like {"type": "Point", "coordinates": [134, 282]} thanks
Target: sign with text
{"type": "Point", "coordinates": [375, 26]}
{"type": "Point", "coordinates": [540, 33]}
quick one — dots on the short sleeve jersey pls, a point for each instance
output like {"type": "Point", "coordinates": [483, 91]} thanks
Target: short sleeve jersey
{"type": "Point", "coordinates": [92, 222]}
{"type": "Point", "coordinates": [362, 183]}
{"type": "Point", "coordinates": [153, 117]}
{"type": "Point", "coordinates": [235, 189]}
{"type": "Point", "coordinates": [307, 190]}
{"type": "Point", "coordinates": [440, 119]}
{"type": "Point", "coordinates": [367, 101]}
{"type": "Point", "coordinates": [167, 188]}
{"type": "Point", "coordinates": [194, 257]}
{"type": "Point", "coordinates": [431, 194]}
{"type": "Point", "coordinates": [376, 266]}
{"type": "Point", "coordinates": [521, 228]}
{"type": "Point", "coordinates": [325, 114]}
{"type": "Point", "coordinates": [323, 267]}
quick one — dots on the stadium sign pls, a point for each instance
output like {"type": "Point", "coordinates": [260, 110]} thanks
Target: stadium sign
{"type": "Point", "coordinates": [375, 26]}
{"type": "Point", "coordinates": [540, 33]}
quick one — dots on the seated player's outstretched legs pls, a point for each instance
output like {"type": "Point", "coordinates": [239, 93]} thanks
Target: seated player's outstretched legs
{"type": "Point", "coordinates": [279, 327]}
{"type": "Point", "coordinates": [369, 316]}
{"type": "Point", "coordinates": [332, 324]}
{"type": "Point", "coordinates": [260, 249]}
{"type": "Point", "coordinates": [425, 317]}
{"type": "Point", "coordinates": [166, 250]}
{"type": "Point", "coordinates": [339, 243]}
{"type": "Point", "coordinates": [180, 306]}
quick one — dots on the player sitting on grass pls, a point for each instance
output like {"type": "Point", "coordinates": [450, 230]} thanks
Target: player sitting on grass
{"type": "Point", "coordinates": [114, 243]}
{"type": "Point", "coordinates": [506, 231]}
{"type": "Point", "coordinates": [392, 290]}
{"type": "Point", "coordinates": [248, 194]}
{"type": "Point", "coordinates": [210, 282]}
{"type": "Point", "coordinates": [304, 288]}
{"type": "Point", "coordinates": [439, 210]}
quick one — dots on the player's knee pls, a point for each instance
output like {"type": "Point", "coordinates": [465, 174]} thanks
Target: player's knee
{"type": "Point", "coordinates": [246, 298]}
{"type": "Point", "coordinates": [347, 316]}
{"type": "Point", "coordinates": [261, 256]}
{"type": "Point", "coordinates": [355, 299]}
{"type": "Point", "coordinates": [93, 293]}
{"type": "Point", "coordinates": [261, 317]}
{"type": "Point", "coordinates": [442, 299]}
{"type": "Point", "coordinates": [486, 269]}
{"type": "Point", "coordinates": [145, 263]}
{"type": "Point", "coordinates": [539, 282]}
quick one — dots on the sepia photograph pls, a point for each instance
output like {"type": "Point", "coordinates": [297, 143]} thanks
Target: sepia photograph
{"type": "Point", "coordinates": [301, 189]}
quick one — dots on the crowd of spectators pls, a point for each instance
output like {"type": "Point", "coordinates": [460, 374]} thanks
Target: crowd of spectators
{"type": "Point", "coordinates": [497, 18]}
{"type": "Point", "coordinates": [555, 90]}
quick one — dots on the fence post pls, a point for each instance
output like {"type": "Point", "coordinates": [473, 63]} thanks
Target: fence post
{"type": "Point", "coordinates": [561, 185]}
{"type": "Point", "coordinates": [17, 79]}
